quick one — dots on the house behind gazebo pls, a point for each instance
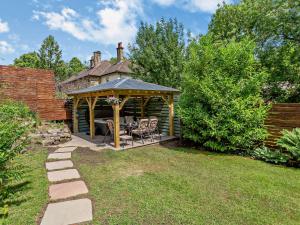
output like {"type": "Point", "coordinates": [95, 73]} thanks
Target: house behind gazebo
{"type": "Point", "coordinates": [99, 72]}
{"type": "Point", "coordinates": [137, 98]}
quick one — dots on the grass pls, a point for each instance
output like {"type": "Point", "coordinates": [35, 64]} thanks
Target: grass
{"type": "Point", "coordinates": [29, 195]}
{"type": "Point", "coordinates": [161, 185]}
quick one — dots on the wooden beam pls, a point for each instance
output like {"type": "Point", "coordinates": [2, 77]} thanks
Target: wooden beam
{"type": "Point", "coordinates": [116, 109]}
{"type": "Point", "coordinates": [171, 115]}
{"type": "Point", "coordinates": [146, 101]}
{"type": "Point", "coordinates": [165, 99]}
{"type": "Point", "coordinates": [124, 101]}
{"type": "Point", "coordinates": [88, 100]}
{"type": "Point", "coordinates": [75, 116]}
{"type": "Point", "coordinates": [94, 102]}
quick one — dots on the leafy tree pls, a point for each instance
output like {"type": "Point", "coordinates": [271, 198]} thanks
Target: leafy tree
{"type": "Point", "coordinates": [30, 60]}
{"type": "Point", "coordinates": [221, 105]}
{"type": "Point", "coordinates": [274, 26]}
{"type": "Point", "coordinates": [50, 57]}
{"type": "Point", "coordinates": [113, 60]}
{"type": "Point", "coordinates": [75, 66]}
{"type": "Point", "coordinates": [158, 52]}
{"type": "Point", "coordinates": [62, 71]}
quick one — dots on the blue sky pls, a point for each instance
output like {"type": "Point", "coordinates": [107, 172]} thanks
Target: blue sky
{"type": "Point", "coordinates": [83, 26]}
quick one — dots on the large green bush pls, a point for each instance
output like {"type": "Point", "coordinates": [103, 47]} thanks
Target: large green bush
{"type": "Point", "coordinates": [221, 105]}
{"type": "Point", "coordinates": [16, 120]}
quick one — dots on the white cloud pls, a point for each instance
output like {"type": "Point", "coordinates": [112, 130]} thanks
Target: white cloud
{"type": "Point", "coordinates": [24, 47]}
{"type": "Point", "coordinates": [68, 13]}
{"type": "Point", "coordinates": [208, 6]}
{"type": "Point", "coordinates": [35, 16]}
{"type": "Point", "coordinates": [115, 21]}
{"type": "Point", "coordinates": [3, 27]}
{"type": "Point", "coordinates": [6, 48]}
{"type": "Point", "coordinates": [14, 37]}
{"type": "Point", "coordinates": [164, 2]}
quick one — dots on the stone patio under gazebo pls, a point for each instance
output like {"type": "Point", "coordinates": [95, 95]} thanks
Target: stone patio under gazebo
{"type": "Point", "coordinates": [122, 89]}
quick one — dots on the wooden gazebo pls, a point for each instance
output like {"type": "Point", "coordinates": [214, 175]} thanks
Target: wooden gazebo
{"type": "Point", "coordinates": [122, 89]}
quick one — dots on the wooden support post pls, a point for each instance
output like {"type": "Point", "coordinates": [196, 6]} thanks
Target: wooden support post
{"type": "Point", "coordinates": [75, 117]}
{"type": "Point", "coordinates": [116, 109]}
{"type": "Point", "coordinates": [142, 107]}
{"type": "Point", "coordinates": [92, 103]}
{"type": "Point", "coordinates": [171, 115]}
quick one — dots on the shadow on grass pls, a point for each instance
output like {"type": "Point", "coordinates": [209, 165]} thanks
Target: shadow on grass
{"type": "Point", "coordinates": [12, 195]}
{"type": "Point", "coordinates": [193, 149]}
{"type": "Point", "coordinates": [86, 155]}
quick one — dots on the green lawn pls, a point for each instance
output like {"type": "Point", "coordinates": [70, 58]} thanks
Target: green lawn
{"type": "Point", "coordinates": [160, 185]}
{"type": "Point", "coordinates": [29, 195]}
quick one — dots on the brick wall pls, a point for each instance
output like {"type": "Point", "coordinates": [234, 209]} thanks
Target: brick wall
{"type": "Point", "coordinates": [36, 88]}
{"type": "Point", "coordinates": [281, 116]}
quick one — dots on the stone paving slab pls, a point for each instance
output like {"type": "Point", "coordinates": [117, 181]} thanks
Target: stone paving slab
{"type": "Point", "coordinates": [56, 165]}
{"type": "Point", "coordinates": [68, 212]}
{"type": "Point", "coordinates": [59, 155]}
{"type": "Point", "coordinates": [65, 149]}
{"type": "Point", "coordinates": [66, 190]}
{"type": "Point", "coordinates": [61, 175]}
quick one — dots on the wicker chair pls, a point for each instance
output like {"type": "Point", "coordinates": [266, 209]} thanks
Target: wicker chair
{"type": "Point", "coordinates": [110, 131]}
{"type": "Point", "coordinates": [129, 120]}
{"type": "Point", "coordinates": [110, 125]}
{"type": "Point", "coordinates": [153, 128]}
{"type": "Point", "coordinates": [142, 129]}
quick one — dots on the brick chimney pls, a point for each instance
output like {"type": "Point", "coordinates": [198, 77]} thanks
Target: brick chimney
{"type": "Point", "coordinates": [97, 58]}
{"type": "Point", "coordinates": [120, 56]}
{"type": "Point", "coordinates": [92, 62]}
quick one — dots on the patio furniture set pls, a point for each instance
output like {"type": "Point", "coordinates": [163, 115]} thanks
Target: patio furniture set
{"type": "Point", "coordinates": [130, 128]}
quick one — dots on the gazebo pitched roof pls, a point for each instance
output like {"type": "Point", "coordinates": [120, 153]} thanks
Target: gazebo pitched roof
{"type": "Point", "coordinates": [125, 84]}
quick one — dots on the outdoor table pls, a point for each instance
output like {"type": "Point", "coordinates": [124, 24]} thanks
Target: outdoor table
{"type": "Point", "coordinates": [126, 138]}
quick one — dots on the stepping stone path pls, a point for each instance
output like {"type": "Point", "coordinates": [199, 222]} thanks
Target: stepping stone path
{"type": "Point", "coordinates": [65, 149]}
{"type": "Point", "coordinates": [66, 155]}
{"type": "Point", "coordinates": [61, 175]}
{"type": "Point", "coordinates": [59, 165]}
{"type": "Point", "coordinates": [66, 190]}
{"type": "Point", "coordinates": [68, 212]}
{"type": "Point", "coordinates": [64, 211]}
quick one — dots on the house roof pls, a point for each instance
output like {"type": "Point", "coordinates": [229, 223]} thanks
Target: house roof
{"type": "Point", "coordinates": [125, 84]}
{"type": "Point", "coordinates": [105, 67]}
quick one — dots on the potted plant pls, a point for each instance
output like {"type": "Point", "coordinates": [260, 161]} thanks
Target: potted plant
{"type": "Point", "coordinates": [112, 100]}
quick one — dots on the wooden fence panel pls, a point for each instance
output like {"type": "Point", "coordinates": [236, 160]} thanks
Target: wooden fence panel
{"type": "Point", "coordinates": [281, 116]}
{"type": "Point", "coordinates": [34, 87]}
